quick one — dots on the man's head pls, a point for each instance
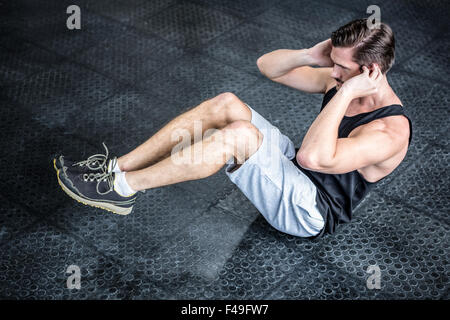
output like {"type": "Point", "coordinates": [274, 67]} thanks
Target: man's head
{"type": "Point", "coordinates": [355, 45]}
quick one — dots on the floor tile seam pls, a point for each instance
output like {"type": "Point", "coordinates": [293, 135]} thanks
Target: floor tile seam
{"type": "Point", "coordinates": [115, 91]}
{"type": "Point", "coordinates": [116, 83]}
{"type": "Point", "coordinates": [221, 34]}
{"type": "Point", "coordinates": [72, 58]}
{"type": "Point", "coordinates": [274, 26]}
{"type": "Point", "coordinates": [121, 83]}
{"type": "Point", "coordinates": [60, 57]}
{"type": "Point", "coordinates": [150, 33]}
{"type": "Point", "coordinates": [134, 84]}
{"type": "Point", "coordinates": [76, 52]}
{"type": "Point", "coordinates": [256, 73]}
{"type": "Point", "coordinates": [132, 27]}
{"type": "Point", "coordinates": [54, 65]}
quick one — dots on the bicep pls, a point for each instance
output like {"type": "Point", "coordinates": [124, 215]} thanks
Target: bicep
{"type": "Point", "coordinates": [307, 79]}
{"type": "Point", "coordinates": [360, 151]}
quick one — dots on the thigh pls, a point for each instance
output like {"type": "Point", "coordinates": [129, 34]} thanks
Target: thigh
{"type": "Point", "coordinates": [280, 192]}
{"type": "Point", "coordinates": [273, 134]}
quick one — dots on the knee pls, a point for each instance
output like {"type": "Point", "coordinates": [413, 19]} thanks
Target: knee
{"type": "Point", "coordinates": [226, 98]}
{"type": "Point", "coordinates": [242, 126]}
{"type": "Point", "coordinates": [229, 108]}
{"type": "Point", "coordinates": [243, 137]}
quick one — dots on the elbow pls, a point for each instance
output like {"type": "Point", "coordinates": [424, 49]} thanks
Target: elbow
{"type": "Point", "coordinates": [304, 160]}
{"type": "Point", "coordinates": [260, 65]}
{"type": "Point", "coordinates": [259, 62]}
{"type": "Point", "coordinates": [307, 160]}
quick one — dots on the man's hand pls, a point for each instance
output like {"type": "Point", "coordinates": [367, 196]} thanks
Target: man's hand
{"type": "Point", "coordinates": [320, 54]}
{"type": "Point", "coordinates": [364, 84]}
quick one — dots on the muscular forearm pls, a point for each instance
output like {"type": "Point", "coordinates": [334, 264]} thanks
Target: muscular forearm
{"type": "Point", "coordinates": [279, 62]}
{"type": "Point", "coordinates": [319, 143]}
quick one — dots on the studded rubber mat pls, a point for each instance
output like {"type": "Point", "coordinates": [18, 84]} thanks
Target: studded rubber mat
{"type": "Point", "coordinates": [135, 65]}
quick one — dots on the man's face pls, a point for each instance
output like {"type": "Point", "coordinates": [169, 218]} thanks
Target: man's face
{"type": "Point", "coordinates": [344, 67]}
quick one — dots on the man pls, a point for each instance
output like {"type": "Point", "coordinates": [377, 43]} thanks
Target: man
{"type": "Point", "coordinates": [359, 137]}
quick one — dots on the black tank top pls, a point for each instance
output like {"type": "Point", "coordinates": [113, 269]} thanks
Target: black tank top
{"type": "Point", "coordinates": [338, 194]}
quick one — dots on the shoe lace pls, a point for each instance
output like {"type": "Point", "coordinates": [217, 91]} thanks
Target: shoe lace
{"type": "Point", "coordinates": [100, 159]}
{"type": "Point", "coordinates": [103, 176]}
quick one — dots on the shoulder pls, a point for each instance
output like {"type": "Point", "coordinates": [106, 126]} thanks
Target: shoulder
{"type": "Point", "coordinates": [396, 128]}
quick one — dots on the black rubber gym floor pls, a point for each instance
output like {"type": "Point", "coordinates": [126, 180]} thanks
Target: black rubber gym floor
{"type": "Point", "coordinates": [136, 64]}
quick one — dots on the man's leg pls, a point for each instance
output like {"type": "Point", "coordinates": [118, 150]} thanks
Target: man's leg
{"type": "Point", "coordinates": [269, 179]}
{"type": "Point", "coordinates": [213, 113]}
{"type": "Point", "coordinates": [240, 140]}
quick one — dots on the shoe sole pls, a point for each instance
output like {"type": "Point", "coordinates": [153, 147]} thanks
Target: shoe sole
{"type": "Point", "coordinates": [105, 206]}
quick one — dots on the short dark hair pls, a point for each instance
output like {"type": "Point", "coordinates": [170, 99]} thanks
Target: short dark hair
{"type": "Point", "coordinates": [372, 45]}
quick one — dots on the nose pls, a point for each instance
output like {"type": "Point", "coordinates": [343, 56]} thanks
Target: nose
{"type": "Point", "coordinates": [335, 74]}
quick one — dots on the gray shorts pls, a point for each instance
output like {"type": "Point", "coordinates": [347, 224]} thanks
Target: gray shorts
{"type": "Point", "coordinates": [282, 193]}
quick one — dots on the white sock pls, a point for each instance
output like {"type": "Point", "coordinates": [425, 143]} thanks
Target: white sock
{"type": "Point", "coordinates": [116, 167]}
{"type": "Point", "coordinates": [121, 185]}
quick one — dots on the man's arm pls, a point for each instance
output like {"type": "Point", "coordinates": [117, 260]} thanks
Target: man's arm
{"type": "Point", "coordinates": [292, 67]}
{"type": "Point", "coordinates": [321, 149]}
{"type": "Point", "coordinates": [373, 144]}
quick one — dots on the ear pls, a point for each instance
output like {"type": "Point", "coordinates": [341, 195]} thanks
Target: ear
{"type": "Point", "coordinates": [373, 65]}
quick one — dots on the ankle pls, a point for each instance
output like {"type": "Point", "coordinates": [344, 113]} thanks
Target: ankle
{"type": "Point", "coordinates": [121, 164]}
{"type": "Point", "coordinates": [113, 166]}
{"type": "Point", "coordinates": [121, 185]}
